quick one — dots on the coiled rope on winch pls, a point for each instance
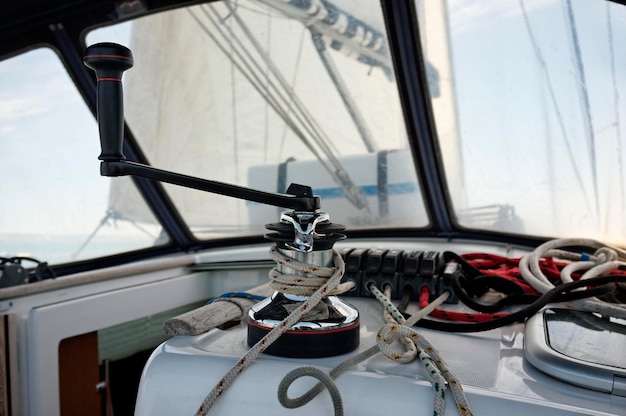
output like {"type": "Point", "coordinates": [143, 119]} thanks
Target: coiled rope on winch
{"type": "Point", "coordinates": [329, 278]}
{"type": "Point", "coordinates": [309, 279]}
{"type": "Point", "coordinates": [330, 282]}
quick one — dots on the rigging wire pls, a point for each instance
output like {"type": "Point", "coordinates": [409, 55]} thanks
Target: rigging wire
{"type": "Point", "coordinates": [315, 130]}
{"type": "Point", "coordinates": [110, 213]}
{"type": "Point", "coordinates": [235, 117]}
{"type": "Point", "coordinates": [616, 104]}
{"type": "Point", "coordinates": [584, 100]}
{"type": "Point", "coordinates": [353, 110]}
{"type": "Point", "coordinates": [322, 139]}
{"type": "Point", "coordinates": [266, 107]}
{"type": "Point", "coordinates": [553, 99]}
{"type": "Point", "coordinates": [248, 72]}
{"type": "Point", "coordinates": [279, 97]}
{"type": "Point", "coordinates": [294, 77]}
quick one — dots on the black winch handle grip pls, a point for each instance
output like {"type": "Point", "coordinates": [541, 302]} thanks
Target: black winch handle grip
{"type": "Point", "coordinates": [109, 61]}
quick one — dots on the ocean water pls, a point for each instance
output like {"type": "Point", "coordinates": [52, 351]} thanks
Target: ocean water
{"type": "Point", "coordinates": [56, 249]}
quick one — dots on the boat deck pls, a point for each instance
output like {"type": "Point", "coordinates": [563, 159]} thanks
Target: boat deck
{"type": "Point", "coordinates": [490, 365]}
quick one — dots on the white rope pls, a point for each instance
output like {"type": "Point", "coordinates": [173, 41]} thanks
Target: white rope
{"type": "Point", "coordinates": [330, 278]}
{"type": "Point", "coordinates": [410, 350]}
{"type": "Point", "coordinates": [277, 331]}
{"type": "Point", "coordinates": [605, 259]}
{"type": "Point", "coordinates": [439, 371]}
{"type": "Point", "coordinates": [436, 368]}
{"type": "Point", "coordinates": [308, 279]}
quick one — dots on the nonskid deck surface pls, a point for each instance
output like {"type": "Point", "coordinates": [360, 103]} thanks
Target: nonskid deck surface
{"type": "Point", "coordinates": [490, 365]}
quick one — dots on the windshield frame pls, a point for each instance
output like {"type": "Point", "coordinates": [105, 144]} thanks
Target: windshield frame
{"type": "Point", "coordinates": [68, 39]}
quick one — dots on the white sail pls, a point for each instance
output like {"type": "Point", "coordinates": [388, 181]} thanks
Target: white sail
{"type": "Point", "coordinates": [191, 105]}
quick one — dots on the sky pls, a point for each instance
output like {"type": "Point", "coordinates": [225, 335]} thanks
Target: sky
{"type": "Point", "coordinates": [524, 137]}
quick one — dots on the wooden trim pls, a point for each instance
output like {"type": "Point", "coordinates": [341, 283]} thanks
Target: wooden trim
{"type": "Point", "coordinates": [79, 374]}
{"type": "Point", "coordinates": [4, 360]}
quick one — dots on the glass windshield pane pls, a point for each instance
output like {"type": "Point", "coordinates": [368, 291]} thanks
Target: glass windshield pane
{"type": "Point", "coordinates": [531, 115]}
{"type": "Point", "coordinates": [55, 205]}
{"type": "Point", "coordinates": [264, 94]}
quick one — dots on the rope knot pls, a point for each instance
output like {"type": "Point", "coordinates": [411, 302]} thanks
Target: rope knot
{"type": "Point", "coordinates": [390, 332]}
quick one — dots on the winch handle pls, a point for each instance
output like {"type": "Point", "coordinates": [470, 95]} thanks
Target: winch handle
{"type": "Point", "coordinates": [109, 61]}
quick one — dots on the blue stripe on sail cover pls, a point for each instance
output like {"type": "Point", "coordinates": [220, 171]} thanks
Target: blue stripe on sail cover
{"type": "Point", "coordinates": [369, 190]}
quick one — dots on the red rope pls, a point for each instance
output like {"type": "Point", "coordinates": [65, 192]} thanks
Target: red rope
{"type": "Point", "coordinates": [456, 316]}
{"type": "Point", "coordinates": [506, 268]}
